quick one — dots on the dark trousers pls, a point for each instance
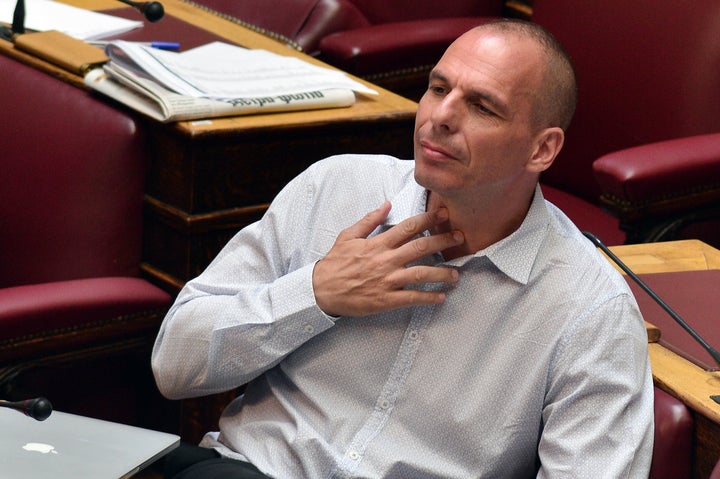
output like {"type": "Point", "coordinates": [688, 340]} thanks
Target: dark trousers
{"type": "Point", "coordinates": [193, 462]}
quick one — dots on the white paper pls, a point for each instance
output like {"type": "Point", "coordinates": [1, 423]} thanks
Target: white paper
{"type": "Point", "coordinates": [222, 71]}
{"type": "Point", "coordinates": [43, 15]}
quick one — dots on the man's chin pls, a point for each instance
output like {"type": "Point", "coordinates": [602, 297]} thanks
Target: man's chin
{"type": "Point", "coordinates": [431, 177]}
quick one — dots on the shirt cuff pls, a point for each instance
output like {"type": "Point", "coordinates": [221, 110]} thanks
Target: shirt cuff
{"type": "Point", "coordinates": [292, 295]}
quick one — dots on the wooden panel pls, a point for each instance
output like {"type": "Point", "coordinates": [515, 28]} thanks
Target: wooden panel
{"type": "Point", "coordinates": [707, 446]}
{"type": "Point", "coordinates": [205, 174]}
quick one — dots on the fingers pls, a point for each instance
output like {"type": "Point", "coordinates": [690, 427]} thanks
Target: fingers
{"type": "Point", "coordinates": [427, 245]}
{"type": "Point", "coordinates": [413, 226]}
{"type": "Point", "coordinates": [360, 275]}
{"type": "Point", "coordinates": [403, 231]}
{"type": "Point", "coordinates": [402, 238]}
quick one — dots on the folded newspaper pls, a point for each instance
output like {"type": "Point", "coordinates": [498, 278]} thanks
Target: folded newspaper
{"type": "Point", "coordinates": [217, 79]}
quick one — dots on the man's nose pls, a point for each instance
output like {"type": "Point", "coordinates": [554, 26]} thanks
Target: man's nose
{"type": "Point", "coordinates": [445, 113]}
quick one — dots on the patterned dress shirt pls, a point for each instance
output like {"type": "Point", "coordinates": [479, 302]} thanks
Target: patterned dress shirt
{"type": "Point", "coordinates": [535, 366]}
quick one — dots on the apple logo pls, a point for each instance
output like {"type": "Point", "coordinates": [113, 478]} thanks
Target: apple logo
{"type": "Point", "coordinates": [39, 447]}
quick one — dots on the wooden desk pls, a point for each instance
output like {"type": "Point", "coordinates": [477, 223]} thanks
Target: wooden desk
{"type": "Point", "coordinates": [672, 373]}
{"type": "Point", "coordinates": [207, 179]}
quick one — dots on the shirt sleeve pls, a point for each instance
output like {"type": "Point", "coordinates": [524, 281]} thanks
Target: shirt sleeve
{"type": "Point", "coordinates": [249, 309]}
{"type": "Point", "coordinates": [598, 417]}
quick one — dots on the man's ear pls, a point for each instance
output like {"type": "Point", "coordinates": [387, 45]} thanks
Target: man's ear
{"type": "Point", "coordinates": [548, 145]}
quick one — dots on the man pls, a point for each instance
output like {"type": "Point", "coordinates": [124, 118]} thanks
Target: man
{"type": "Point", "coordinates": [425, 319]}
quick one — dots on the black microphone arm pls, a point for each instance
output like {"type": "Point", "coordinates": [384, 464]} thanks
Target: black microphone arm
{"type": "Point", "coordinates": [153, 11]}
{"type": "Point", "coordinates": [38, 408]}
{"type": "Point", "coordinates": [18, 23]}
{"type": "Point", "coordinates": [596, 241]}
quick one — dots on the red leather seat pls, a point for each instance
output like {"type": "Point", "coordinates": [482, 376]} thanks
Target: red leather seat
{"type": "Point", "coordinates": [673, 449]}
{"type": "Point", "coordinates": [648, 73]}
{"type": "Point", "coordinates": [71, 220]}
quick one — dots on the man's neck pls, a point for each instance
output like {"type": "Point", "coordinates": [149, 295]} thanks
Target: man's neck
{"type": "Point", "coordinates": [482, 222]}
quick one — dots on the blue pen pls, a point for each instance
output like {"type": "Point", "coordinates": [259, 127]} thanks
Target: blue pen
{"type": "Point", "coordinates": [158, 45]}
{"type": "Point", "coordinates": [164, 45]}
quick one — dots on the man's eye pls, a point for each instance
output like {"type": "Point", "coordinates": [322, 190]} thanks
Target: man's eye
{"type": "Point", "coordinates": [483, 109]}
{"type": "Point", "coordinates": [438, 90]}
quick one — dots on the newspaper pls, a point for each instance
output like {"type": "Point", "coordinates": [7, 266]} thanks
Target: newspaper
{"type": "Point", "coordinates": [217, 79]}
{"type": "Point", "coordinates": [154, 101]}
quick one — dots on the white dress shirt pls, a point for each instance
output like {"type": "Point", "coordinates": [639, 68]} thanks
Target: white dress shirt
{"type": "Point", "coordinates": [536, 364]}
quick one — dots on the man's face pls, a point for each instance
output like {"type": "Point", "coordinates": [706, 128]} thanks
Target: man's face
{"type": "Point", "coordinates": [473, 131]}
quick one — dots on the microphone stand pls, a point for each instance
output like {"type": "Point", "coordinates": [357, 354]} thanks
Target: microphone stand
{"type": "Point", "coordinates": [711, 351]}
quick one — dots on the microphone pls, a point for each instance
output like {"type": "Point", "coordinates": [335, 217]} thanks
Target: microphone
{"type": "Point", "coordinates": [153, 11]}
{"type": "Point", "coordinates": [711, 351]}
{"type": "Point", "coordinates": [38, 408]}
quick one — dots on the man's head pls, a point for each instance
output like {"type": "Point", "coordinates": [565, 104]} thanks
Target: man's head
{"type": "Point", "coordinates": [557, 95]}
{"type": "Point", "coordinates": [494, 115]}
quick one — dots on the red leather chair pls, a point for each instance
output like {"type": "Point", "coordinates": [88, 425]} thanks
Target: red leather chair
{"type": "Point", "coordinates": [673, 449]}
{"type": "Point", "coordinates": [75, 317]}
{"type": "Point", "coordinates": [645, 141]}
{"type": "Point", "coordinates": [393, 44]}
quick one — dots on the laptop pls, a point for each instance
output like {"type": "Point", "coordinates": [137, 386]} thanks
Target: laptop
{"type": "Point", "coordinates": [78, 447]}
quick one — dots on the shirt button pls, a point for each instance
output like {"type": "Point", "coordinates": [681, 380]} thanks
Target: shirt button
{"type": "Point", "coordinates": [309, 329]}
{"type": "Point", "coordinates": [384, 404]}
{"type": "Point", "coordinates": [414, 335]}
{"type": "Point", "coordinates": [354, 455]}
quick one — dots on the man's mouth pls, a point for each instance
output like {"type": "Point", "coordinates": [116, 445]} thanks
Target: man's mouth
{"type": "Point", "coordinates": [435, 151]}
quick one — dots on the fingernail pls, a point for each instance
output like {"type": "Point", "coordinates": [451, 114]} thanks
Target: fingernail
{"type": "Point", "coordinates": [458, 236]}
{"type": "Point", "coordinates": [442, 214]}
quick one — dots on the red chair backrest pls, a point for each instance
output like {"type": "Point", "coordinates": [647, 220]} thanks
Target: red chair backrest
{"type": "Point", "coordinates": [384, 11]}
{"type": "Point", "coordinates": [648, 70]}
{"type": "Point", "coordinates": [72, 182]}
{"type": "Point", "coordinates": [673, 449]}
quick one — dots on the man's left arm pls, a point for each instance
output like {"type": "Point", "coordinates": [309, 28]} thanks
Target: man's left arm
{"type": "Point", "coordinates": [598, 416]}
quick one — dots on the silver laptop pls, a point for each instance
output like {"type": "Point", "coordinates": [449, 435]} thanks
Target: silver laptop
{"type": "Point", "coordinates": [70, 446]}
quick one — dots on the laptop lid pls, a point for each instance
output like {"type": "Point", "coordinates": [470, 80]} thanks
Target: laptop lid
{"type": "Point", "coordinates": [71, 446]}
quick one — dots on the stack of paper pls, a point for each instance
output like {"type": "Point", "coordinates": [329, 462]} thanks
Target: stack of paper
{"type": "Point", "coordinates": [217, 79]}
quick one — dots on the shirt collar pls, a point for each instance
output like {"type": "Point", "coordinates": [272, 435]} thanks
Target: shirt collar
{"type": "Point", "coordinates": [514, 255]}
{"type": "Point", "coordinates": [411, 200]}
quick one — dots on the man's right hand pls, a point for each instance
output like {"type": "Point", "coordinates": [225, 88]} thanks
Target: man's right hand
{"type": "Point", "coordinates": [361, 276]}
